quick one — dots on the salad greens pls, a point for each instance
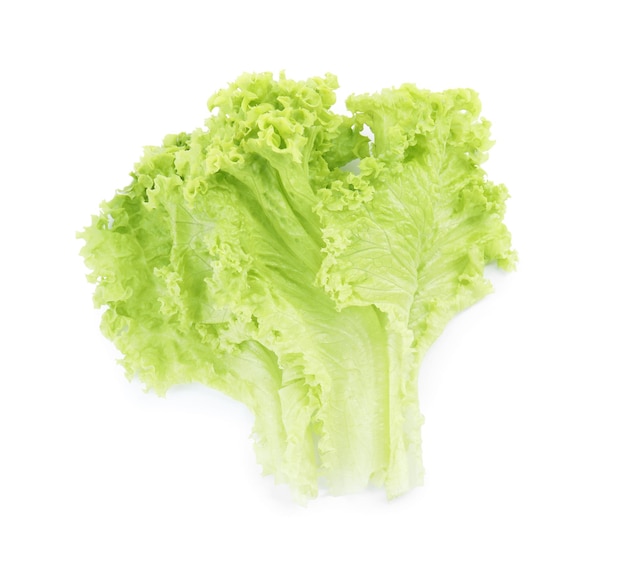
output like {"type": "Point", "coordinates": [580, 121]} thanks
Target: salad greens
{"type": "Point", "coordinates": [281, 256]}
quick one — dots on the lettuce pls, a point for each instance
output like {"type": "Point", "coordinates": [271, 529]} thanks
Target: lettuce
{"type": "Point", "coordinates": [282, 257]}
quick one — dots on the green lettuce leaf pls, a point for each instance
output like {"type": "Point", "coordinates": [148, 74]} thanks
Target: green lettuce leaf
{"type": "Point", "coordinates": [280, 256]}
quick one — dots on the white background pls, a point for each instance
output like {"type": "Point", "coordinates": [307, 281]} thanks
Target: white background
{"type": "Point", "coordinates": [524, 394]}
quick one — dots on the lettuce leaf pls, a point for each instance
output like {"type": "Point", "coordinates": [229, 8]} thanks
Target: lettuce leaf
{"type": "Point", "coordinates": [282, 257]}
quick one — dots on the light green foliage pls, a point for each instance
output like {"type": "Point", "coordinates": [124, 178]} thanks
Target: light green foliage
{"type": "Point", "coordinates": [281, 257]}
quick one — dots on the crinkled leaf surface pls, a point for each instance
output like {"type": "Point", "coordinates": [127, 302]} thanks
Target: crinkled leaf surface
{"type": "Point", "coordinates": [280, 256]}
